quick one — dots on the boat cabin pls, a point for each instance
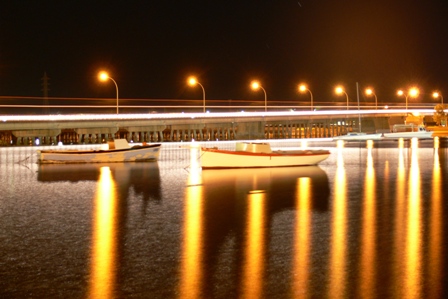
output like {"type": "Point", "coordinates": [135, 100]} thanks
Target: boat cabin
{"type": "Point", "coordinates": [118, 144]}
{"type": "Point", "coordinates": [253, 147]}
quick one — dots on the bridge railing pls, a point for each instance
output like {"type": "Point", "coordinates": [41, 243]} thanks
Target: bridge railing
{"type": "Point", "coordinates": [45, 106]}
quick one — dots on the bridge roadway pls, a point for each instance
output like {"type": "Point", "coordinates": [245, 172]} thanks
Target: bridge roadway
{"type": "Point", "coordinates": [165, 127]}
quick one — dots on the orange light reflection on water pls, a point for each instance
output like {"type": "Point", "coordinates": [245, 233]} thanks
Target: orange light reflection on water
{"type": "Point", "coordinates": [302, 238]}
{"type": "Point", "coordinates": [400, 143]}
{"type": "Point", "coordinates": [103, 272]}
{"type": "Point", "coordinates": [338, 250]}
{"type": "Point", "coordinates": [435, 226]}
{"type": "Point", "coordinates": [191, 276]}
{"type": "Point", "coordinates": [254, 251]}
{"type": "Point", "coordinates": [367, 269]}
{"type": "Point", "coordinates": [413, 264]}
{"type": "Point", "coordinates": [400, 216]}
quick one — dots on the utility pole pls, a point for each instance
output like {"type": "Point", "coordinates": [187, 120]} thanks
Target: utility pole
{"type": "Point", "coordinates": [359, 114]}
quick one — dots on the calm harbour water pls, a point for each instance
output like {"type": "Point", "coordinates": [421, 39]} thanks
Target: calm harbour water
{"type": "Point", "coordinates": [369, 222]}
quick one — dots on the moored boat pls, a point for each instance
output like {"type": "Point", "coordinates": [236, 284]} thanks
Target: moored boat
{"type": "Point", "coordinates": [408, 135]}
{"type": "Point", "coordinates": [119, 151]}
{"type": "Point", "coordinates": [420, 133]}
{"type": "Point", "coordinates": [251, 155]}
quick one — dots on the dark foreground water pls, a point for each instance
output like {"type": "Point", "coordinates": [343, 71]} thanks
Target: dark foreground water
{"type": "Point", "coordinates": [366, 223]}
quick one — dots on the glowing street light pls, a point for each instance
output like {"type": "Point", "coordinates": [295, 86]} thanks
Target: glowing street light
{"type": "Point", "coordinates": [369, 92]}
{"type": "Point", "coordinates": [413, 93]}
{"type": "Point", "coordinates": [303, 88]}
{"type": "Point", "coordinates": [437, 95]}
{"type": "Point", "coordinates": [192, 81]}
{"type": "Point", "coordinates": [103, 76]}
{"type": "Point", "coordinates": [255, 85]}
{"type": "Point", "coordinates": [340, 90]}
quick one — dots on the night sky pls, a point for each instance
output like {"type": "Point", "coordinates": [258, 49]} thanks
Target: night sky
{"type": "Point", "coordinates": [151, 47]}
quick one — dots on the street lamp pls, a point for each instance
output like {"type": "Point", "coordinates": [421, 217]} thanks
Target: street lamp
{"type": "Point", "coordinates": [255, 85]}
{"type": "Point", "coordinates": [437, 95]}
{"type": "Point", "coordinates": [303, 88]}
{"type": "Point", "coordinates": [340, 90]}
{"type": "Point", "coordinates": [413, 93]}
{"type": "Point", "coordinates": [370, 92]}
{"type": "Point", "coordinates": [192, 81]}
{"type": "Point", "coordinates": [103, 76]}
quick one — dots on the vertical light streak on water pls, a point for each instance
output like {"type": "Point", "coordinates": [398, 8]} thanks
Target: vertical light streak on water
{"type": "Point", "coordinates": [435, 228]}
{"type": "Point", "coordinates": [386, 177]}
{"type": "Point", "coordinates": [413, 252]}
{"type": "Point", "coordinates": [4, 171]}
{"type": "Point", "coordinates": [400, 143]}
{"type": "Point", "coordinates": [102, 270]}
{"type": "Point", "coordinates": [302, 239]}
{"type": "Point", "coordinates": [253, 266]}
{"type": "Point", "coordinates": [399, 226]}
{"type": "Point", "coordinates": [338, 258]}
{"type": "Point", "coordinates": [368, 241]}
{"type": "Point", "coordinates": [191, 276]}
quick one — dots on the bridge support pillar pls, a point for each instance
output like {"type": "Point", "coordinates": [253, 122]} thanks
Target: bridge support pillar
{"type": "Point", "coordinates": [251, 130]}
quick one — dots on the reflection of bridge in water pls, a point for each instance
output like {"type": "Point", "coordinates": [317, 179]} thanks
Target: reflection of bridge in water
{"type": "Point", "coordinates": [167, 127]}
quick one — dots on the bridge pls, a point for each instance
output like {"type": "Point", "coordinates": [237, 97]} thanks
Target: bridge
{"type": "Point", "coordinates": [187, 126]}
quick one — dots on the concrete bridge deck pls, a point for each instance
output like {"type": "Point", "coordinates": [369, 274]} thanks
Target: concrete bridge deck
{"type": "Point", "coordinates": [167, 127]}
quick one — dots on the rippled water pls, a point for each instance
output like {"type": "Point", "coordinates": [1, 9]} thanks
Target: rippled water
{"type": "Point", "coordinates": [369, 222]}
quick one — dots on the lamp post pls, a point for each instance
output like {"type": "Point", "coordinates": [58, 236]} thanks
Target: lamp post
{"type": "Point", "coordinates": [369, 92]}
{"type": "Point", "coordinates": [192, 81]}
{"type": "Point", "coordinates": [413, 93]}
{"type": "Point", "coordinates": [303, 88]}
{"type": "Point", "coordinates": [340, 90]}
{"type": "Point", "coordinates": [103, 76]}
{"type": "Point", "coordinates": [255, 85]}
{"type": "Point", "coordinates": [437, 95]}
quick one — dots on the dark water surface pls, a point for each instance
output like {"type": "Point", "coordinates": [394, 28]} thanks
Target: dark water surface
{"type": "Point", "coordinates": [369, 222]}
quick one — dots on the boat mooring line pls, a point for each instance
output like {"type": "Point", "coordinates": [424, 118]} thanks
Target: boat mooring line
{"type": "Point", "coordinates": [195, 185]}
{"type": "Point", "coordinates": [22, 162]}
{"type": "Point", "coordinates": [198, 159]}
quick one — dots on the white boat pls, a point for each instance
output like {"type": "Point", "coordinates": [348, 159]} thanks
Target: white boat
{"type": "Point", "coordinates": [421, 133]}
{"type": "Point", "coordinates": [408, 135]}
{"type": "Point", "coordinates": [119, 151]}
{"type": "Point", "coordinates": [359, 136]}
{"type": "Point", "coordinates": [249, 155]}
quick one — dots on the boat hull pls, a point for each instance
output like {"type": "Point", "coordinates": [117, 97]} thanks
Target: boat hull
{"type": "Point", "coordinates": [360, 137]}
{"type": "Point", "coordinates": [134, 154]}
{"type": "Point", "coordinates": [215, 159]}
{"type": "Point", "coordinates": [408, 135]}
